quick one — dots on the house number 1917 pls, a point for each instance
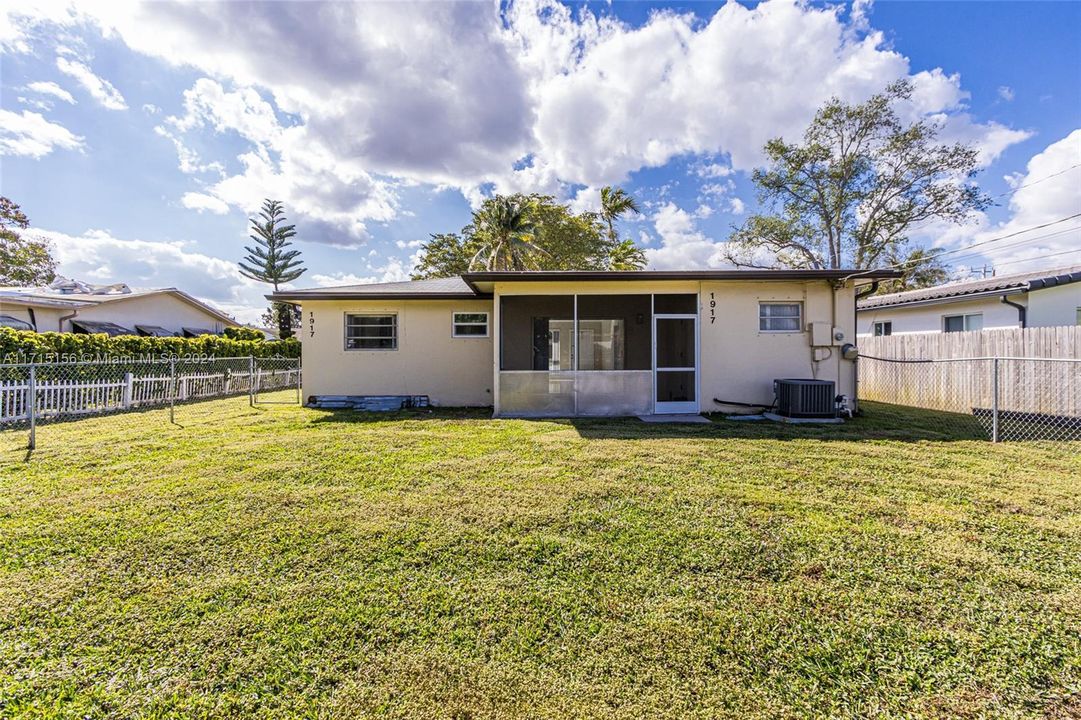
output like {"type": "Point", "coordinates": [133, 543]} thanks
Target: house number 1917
{"type": "Point", "coordinates": [712, 309]}
{"type": "Point", "coordinates": [311, 324]}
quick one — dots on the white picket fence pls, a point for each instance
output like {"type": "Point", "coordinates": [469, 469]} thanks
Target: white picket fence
{"type": "Point", "coordinates": [63, 398]}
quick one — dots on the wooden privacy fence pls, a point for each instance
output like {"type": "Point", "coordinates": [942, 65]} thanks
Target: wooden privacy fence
{"type": "Point", "coordinates": [1041, 342]}
{"type": "Point", "coordinates": [1026, 380]}
{"type": "Point", "coordinates": [75, 395]}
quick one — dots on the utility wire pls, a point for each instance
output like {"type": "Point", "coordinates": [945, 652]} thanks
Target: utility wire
{"type": "Point", "coordinates": [902, 264]}
{"type": "Point", "coordinates": [1025, 241]}
{"type": "Point", "coordinates": [1040, 257]}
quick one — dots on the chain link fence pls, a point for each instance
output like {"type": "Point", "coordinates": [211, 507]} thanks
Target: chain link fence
{"type": "Point", "coordinates": [1001, 398]}
{"type": "Point", "coordinates": [142, 393]}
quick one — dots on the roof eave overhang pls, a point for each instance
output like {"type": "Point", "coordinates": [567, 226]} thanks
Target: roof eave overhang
{"type": "Point", "coordinates": [945, 299]}
{"type": "Point", "coordinates": [301, 297]}
{"type": "Point", "coordinates": [485, 281]}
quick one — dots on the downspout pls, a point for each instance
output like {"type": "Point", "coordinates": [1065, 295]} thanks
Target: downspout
{"type": "Point", "coordinates": [1021, 309]}
{"type": "Point", "coordinates": [60, 322]}
{"type": "Point", "coordinates": [859, 295]}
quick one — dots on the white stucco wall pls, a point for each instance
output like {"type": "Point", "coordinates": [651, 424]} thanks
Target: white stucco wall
{"type": "Point", "coordinates": [736, 361]}
{"type": "Point", "coordinates": [928, 318]}
{"type": "Point", "coordinates": [740, 363]}
{"type": "Point", "coordinates": [1048, 307]}
{"type": "Point", "coordinates": [450, 371]}
{"type": "Point", "coordinates": [48, 319]}
{"type": "Point", "coordinates": [1054, 306]}
{"type": "Point", "coordinates": [163, 310]}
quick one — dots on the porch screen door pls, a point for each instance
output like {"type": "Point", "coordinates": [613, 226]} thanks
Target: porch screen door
{"type": "Point", "coordinates": [675, 365]}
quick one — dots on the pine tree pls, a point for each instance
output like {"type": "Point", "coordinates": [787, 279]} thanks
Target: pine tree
{"type": "Point", "coordinates": [270, 260]}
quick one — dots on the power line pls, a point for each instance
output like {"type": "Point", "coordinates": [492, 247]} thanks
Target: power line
{"type": "Point", "coordinates": [902, 264]}
{"type": "Point", "coordinates": [1035, 182]}
{"type": "Point", "coordinates": [928, 223]}
{"type": "Point", "coordinates": [1040, 257]}
{"type": "Point", "coordinates": [1017, 243]}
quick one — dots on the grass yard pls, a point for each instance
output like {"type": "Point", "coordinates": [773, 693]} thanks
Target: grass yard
{"type": "Point", "coordinates": [282, 562]}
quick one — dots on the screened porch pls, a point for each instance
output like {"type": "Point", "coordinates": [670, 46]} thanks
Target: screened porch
{"type": "Point", "coordinates": [603, 355]}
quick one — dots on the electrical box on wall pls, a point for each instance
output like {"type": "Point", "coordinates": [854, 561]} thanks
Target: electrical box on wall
{"type": "Point", "coordinates": [821, 334]}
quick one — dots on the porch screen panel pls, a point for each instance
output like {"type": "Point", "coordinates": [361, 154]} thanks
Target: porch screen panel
{"type": "Point", "coordinates": [615, 393]}
{"type": "Point", "coordinates": [536, 394]}
{"type": "Point", "coordinates": [536, 332]}
{"type": "Point", "coordinates": [614, 332]}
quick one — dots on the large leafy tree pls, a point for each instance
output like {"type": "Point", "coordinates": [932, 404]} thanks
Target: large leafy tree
{"type": "Point", "coordinates": [556, 239]}
{"type": "Point", "coordinates": [271, 261]}
{"type": "Point", "coordinates": [24, 261]}
{"type": "Point", "coordinates": [849, 194]}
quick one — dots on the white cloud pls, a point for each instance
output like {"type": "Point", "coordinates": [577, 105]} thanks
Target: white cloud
{"type": "Point", "coordinates": [340, 105]}
{"type": "Point", "coordinates": [1006, 93]}
{"type": "Point", "coordinates": [202, 201]}
{"type": "Point", "coordinates": [284, 161]}
{"type": "Point", "coordinates": [97, 255]}
{"type": "Point", "coordinates": [337, 279]}
{"type": "Point", "coordinates": [99, 88]}
{"type": "Point", "coordinates": [1049, 190]}
{"type": "Point", "coordinates": [683, 246]}
{"type": "Point", "coordinates": [736, 206]}
{"type": "Point", "coordinates": [52, 89]}
{"type": "Point", "coordinates": [712, 170]}
{"type": "Point", "coordinates": [30, 134]}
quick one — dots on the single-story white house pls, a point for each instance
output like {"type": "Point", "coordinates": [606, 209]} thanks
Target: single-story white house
{"type": "Point", "coordinates": [1044, 298]}
{"type": "Point", "coordinates": [573, 343]}
{"type": "Point", "coordinates": [73, 306]}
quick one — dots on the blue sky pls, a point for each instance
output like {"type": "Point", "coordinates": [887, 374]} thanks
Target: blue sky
{"type": "Point", "coordinates": [139, 138]}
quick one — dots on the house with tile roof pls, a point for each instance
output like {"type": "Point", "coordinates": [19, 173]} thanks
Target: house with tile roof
{"type": "Point", "coordinates": [1042, 298]}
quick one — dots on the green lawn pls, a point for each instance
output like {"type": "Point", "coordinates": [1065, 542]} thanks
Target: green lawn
{"type": "Point", "coordinates": [283, 562]}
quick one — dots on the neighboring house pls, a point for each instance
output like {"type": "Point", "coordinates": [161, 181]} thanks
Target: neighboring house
{"type": "Point", "coordinates": [646, 342]}
{"type": "Point", "coordinates": [1042, 298]}
{"type": "Point", "coordinates": [72, 306]}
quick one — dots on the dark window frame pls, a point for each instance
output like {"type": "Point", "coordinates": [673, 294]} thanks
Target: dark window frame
{"type": "Point", "coordinates": [455, 324]}
{"type": "Point", "coordinates": [764, 320]}
{"type": "Point", "coordinates": [393, 337]}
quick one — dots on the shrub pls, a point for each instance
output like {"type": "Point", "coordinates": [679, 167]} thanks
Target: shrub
{"type": "Point", "coordinates": [25, 345]}
{"type": "Point", "coordinates": [244, 333]}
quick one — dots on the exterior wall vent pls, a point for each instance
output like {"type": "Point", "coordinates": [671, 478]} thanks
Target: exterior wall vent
{"type": "Point", "coordinates": [805, 398]}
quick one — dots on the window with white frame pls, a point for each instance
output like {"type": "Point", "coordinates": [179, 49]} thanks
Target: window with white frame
{"type": "Point", "coordinates": [780, 317]}
{"type": "Point", "coordinates": [962, 323]}
{"type": "Point", "coordinates": [371, 331]}
{"type": "Point", "coordinates": [469, 325]}
{"type": "Point", "coordinates": [883, 327]}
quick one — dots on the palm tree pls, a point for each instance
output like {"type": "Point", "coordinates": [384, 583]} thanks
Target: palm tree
{"type": "Point", "coordinates": [614, 203]}
{"type": "Point", "coordinates": [626, 255]}
{"type": "Point", "coordinates": [506, 229]}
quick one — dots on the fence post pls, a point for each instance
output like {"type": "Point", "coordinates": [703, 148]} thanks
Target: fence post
{"type": "Point", "coordinates": [251, 381]}
{"type": "Point", "coordinates": [32, 405]}
{"type": "Point", "coordinates": [172, 388]}
{"type": "Point", "coordinates": [994, 400]}
{"type": "Point", "coordinates": [128, 381]}
{"type": "Point", "coordinates": [300, 391]}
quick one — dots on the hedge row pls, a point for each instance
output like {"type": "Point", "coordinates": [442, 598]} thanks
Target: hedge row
{"type": "Point", "coordinates": [25, 346]}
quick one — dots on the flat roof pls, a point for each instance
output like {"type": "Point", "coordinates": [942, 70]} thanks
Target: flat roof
{"type": "Point", "coordinates": [479, 284]}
